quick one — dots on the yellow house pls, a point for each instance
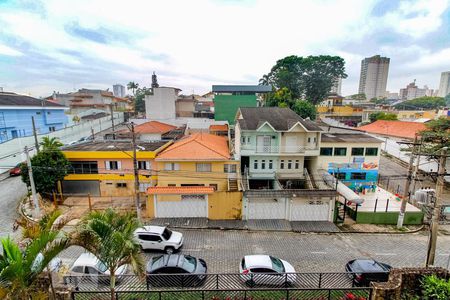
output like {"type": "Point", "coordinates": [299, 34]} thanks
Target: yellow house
{"type": "Point", "coordinates": [196, 178]}
{"type": "Point", "coordinates": [105, 168]}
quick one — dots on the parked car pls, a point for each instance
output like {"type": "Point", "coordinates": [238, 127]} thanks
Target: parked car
{"type": "Point", "coordinates": [159, 238]}
{"type": "Point", "coordinates": [53, 266]}
{"type": "Point", "coordinates": [176, 270]}
{"type": "Point", "coordinates": [91, 268]}
{"type": "Point", "coordinates": [363, 271]}
{"type": "Point", "coordinates": [266, 270]}
{"type": "Point", "coordinates": [15, 171]}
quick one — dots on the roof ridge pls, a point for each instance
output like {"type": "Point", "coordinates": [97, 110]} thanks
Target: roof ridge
{"type": "Point", "coordinates": [208, 147]}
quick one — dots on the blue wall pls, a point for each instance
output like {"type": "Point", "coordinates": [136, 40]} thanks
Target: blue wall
{"type": "Point", "coordinates": [371, 175]}
{"type": "Point", "coordinates": [17, 122]}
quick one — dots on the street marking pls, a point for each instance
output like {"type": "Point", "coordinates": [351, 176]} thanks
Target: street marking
{"type": "Point", "coordinates": [318, 252]}
{"type": "Point", "coordinates": [385, 253]}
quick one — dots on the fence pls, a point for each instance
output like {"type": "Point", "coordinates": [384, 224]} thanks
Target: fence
{"type": "Point", "coordinates": [12, 150]}
{"type": "Point", "coordinates": [212, 282]}
{"type": "Point", "coordinates": [274, 294]}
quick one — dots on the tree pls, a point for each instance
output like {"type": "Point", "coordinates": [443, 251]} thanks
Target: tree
{"type": "Point", "coordinates": [382, 116]}
{"type": "Point", "coordinates": [139, 98]}
{"type": "Point", "coordinates": [309, 77]}
{"type": "Point", "coordinates": [436, 136]}
{"type": "Point", "coordinates": [283, 95]}
{"type": "Point", "coordinates": [358, 97]}
{"type": "Point", "coordinates": [20, 270]}
{"type": "Point", "coordinates": [110, 237]}
{"type": "Point", "coordinates": [305, 109]}
{"type": "Point", "coordinates": [422, 103]}
{"type": "Point", "coordinates": [50, 144]}
{"type": "Point", "coordinates": [132, 86]}
{"type": "Point", "coordinates": [49, 166]}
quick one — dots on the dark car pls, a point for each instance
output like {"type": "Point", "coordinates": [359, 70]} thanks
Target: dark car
{"type": "Point", "coordinates": [176, 270]}
{"type": "Point", "coordinates": [15, 171]}
{"type": "Point", "coordinates": [363, 271]}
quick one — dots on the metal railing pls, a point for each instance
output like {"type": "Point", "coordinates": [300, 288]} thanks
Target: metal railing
{"type": "Point", "coordinates": [278, 149]}
{"type": "Point", "coordinates": [234, 281]}
{"type": "Point", "coordinates": [274, 294]}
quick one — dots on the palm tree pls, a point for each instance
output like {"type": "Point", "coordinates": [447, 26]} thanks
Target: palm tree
{"type": "Point", "coordinates": [19, 270]}
{"type": "Point", "coordinates": [110, 237]}
{"type": "Point", "coordinates": [50, 143]}
{"type": "Point", "coordinates": [132, 86]}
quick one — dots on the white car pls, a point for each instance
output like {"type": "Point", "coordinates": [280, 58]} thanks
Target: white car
{"type": "Point", "coordinates": [159, 238]}
{"type": "Point", "coordinates": [266, 270]}
{"type": "Point", "coordinates": [88, 264]}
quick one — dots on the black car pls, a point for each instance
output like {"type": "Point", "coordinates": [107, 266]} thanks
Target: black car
{"type": "Point", "coordinates": [176, 270]}
{"type": "Point", "coordinates": [363, 271]}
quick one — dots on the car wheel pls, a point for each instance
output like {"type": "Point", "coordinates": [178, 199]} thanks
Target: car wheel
{"type": "Point", "coordinates": [169, 250]}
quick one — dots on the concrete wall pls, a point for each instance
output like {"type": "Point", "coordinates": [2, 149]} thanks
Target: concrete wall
{"type": "Point", "coordinates": [161, 104]}
{"type": "Point", "coordinates": [226, 106]}
{"type": "Point", "coordinates": [325, 160]}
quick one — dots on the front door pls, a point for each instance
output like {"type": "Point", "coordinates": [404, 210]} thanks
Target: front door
{"type": "Point", "coordinates": [263, 144]}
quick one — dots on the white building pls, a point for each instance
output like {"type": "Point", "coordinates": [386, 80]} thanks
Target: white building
{"type": "Point", "coordinates": [412, 91]}
{"type": "Point", "coordinates": [337, 87]}
{"type": "Point", "coordinates": [119, 90]}
{"type": "Point", "coordinates": [373, 78]}
{"type": "Point", "coordinates": [444, 86]}
{"type": "Point", "coordinates": [160, 105]}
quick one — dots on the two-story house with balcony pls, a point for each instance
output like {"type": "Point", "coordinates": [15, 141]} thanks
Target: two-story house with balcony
{"type": "Point", "coordinates": [275, 143]}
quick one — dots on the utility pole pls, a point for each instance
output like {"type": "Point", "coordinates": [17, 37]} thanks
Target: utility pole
{"type": "Point", "coordinates": [137, 198]}
{"type": "Point", "coordinates": [112, 122]}
{"type": "Point", "coordinates": [416, 169]}
{"type": "Point", "coordinates": [431, 251]}
{"type": "Point", "coordinates": [36, 144]}
{"type": "Point", "coordinates": [33, 187]}
{"type": "Point", "coordinates": [406, 193]}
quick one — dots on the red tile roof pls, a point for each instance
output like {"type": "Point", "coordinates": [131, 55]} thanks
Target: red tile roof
{"type": "Point", "coordinates": [223, 127]}
{"type": "Point", "coordinates": [199, 146]}
{"type": "Point", "coordinates": [154, 127]}
{"type": "Point", "coordinates": [183, 190]}
{"type": "Point", "coordinates": [394, 128]}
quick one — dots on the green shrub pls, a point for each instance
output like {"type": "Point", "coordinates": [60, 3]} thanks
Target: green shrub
{"type": "Point", "coordinates": [435, 288]}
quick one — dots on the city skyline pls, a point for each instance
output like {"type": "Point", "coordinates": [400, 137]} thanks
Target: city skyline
{"type": "Point", "coordinates": [50, 45]}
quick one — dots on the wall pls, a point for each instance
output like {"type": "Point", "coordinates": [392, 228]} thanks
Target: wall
{"type": "Point", "coordinates": [161, 104]}
{"type": "Point", "coordinates": [226, 106]}
{"type": "Point", "coordinates": [225, 206]}
{"type": "Point", "coordinates": [325, 160]}
{"type": "Point", "coordinates": [184, 108]}
{"type": "Point", "coordinates": [148, 137]}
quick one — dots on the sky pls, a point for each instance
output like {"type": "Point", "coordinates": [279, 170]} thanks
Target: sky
{"type": "Point", "coordinates": [62, 46]}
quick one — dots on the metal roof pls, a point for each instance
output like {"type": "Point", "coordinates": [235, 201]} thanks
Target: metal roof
{"type": "Point", "coordinates": [241, 88]}
{"type": "Point", "coordinates": [13, 99]}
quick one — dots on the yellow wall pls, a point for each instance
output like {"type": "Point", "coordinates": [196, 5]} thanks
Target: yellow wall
{"type": "Point", "coordinates": [225, 206]}
{"type": "Point", "coordinates": [107, 154]}
{"type": "Point", "coordinates": [322, 109]}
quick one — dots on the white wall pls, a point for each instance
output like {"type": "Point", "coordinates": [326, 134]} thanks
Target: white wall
{"type": "Point", "coordinates": [161, 104]}
{"type": "Point", "coordinates": [323, 161]}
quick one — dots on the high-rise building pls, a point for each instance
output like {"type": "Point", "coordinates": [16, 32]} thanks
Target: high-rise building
{"type": "Point", "coordinates": [412, 91]}
{"type": "Point", "coordinates": [444, 86]}
{"type": "Point", "coordinates": [119, 90]}
{"type": "Point", "coordinates": [337, 87]}
{"type": "Point", "coordinates": [373, 78]}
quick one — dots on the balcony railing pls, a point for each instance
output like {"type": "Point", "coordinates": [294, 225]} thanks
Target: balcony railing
{"type": "Point", "coordinates": [277, 149]}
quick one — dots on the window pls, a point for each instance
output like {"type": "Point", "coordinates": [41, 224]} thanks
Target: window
{"type": "Point", "coordinates": [270, 164]}
{"type": "Point", "coordinates": [282, 164]}
{"type": "Point", "coordinates": [171, 184]}
{"type": "Point", "coordinates": [189, 264]}
{"type": "Point", "coordinates": [357, 151]}
{"type": "Point", "coordinates": [91, 270]}
{"type": "Point", "coordinates": [297, 164]}
{"type": "Point", "coordinates": [289, 165]}
{"type": "Point", "coordinates": [121, 185]}
{"type": "Point", "coordinates": [144, 165]}
{"type": "Point", "coordinates": [171, 166]}
{"type": "Point", "coordinates": [77, 269]}
{"type": "Point", "coordinates": [315, 140]}
{"type": "Point", "coordinates": [52, 128]}
{"type": "Point", "coordinates": [371, 151]}
{"type": "Point", "coordinates": [326, 151]}
{"type": "Point", "coordinates": [255, 164]}
{"type": "Point", "coordinates": [166, 234]}
{"type": "Point", "coordinates": [112, 165]}
{"type": "Point", "coordinates": [248, 139]}
{"type": "Point", "coordinates": [263, 164]}
{"type": "Point", "coordinates": [48, 113]}
{"type": "Point", "coordinates": [243, 140]}
{"type": "Point", "coordinates": [38, 112]}
{"type": "Point", "coordinates": [214, 186]}
{"type": "Point", "coordinates": [340, 151]}
{"type": "Point", "coordinates": [340, 175]}
{"type": "Point", "coordinates": [202, 167]}
{"type": "Point", "coordinates": [149, 237]}
{"type": "Point", "coordinates": [229, 168]}
{"type": "Point", "coordinates": [309, 140]}
{"type": "Point", "coordinates": [83, 167]}
{"type": "Point", "coordinates": [358, 176]}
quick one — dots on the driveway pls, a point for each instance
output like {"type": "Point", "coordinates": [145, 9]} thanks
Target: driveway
{"type": "Point", "coordinates": [12, 191]}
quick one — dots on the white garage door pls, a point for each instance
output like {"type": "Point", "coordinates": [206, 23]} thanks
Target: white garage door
{"type": "Point", "coordinates": [309, 210]}
{"type": "Point", "coordinates": [188, 207]}
{"type": "Point", "coordinates": [266, 208]}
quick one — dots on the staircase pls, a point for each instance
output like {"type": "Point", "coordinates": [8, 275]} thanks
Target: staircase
{"type": "Point", "coordinates": [233, 185]}
{"type": "Point", "coordinates": [340, 212]}
{"type": "Point", "coordinates": [245, 185]}
{"type": "Point", "coordinates": [309, 180]}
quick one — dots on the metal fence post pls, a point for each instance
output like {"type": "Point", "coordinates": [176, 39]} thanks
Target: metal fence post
{"type": "Point", "coordinates": [376, 203]}
{"type": "Point", "coordinates": [320, 280]}
{"type": "Point", "coordinates": [245, 294]}
{"type": "Point", "coordinates": [287, 294]}
{"type": "Point", "coordinates": [387, 204]}
{"type": "Point", "coordinates": [217, 281]}
{"type": "Point", "coordinates": [329, 294]}
{"type": "Point", "coordinates": [285, 281]}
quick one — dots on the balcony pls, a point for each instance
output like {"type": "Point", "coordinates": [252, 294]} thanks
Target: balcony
{"type": "Point", "coordinates": [277, 150]}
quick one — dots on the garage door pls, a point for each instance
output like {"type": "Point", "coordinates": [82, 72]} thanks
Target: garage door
{"type": "Point", "coordinates": [187, 207]}
{"type": "Point", "coordinates": [81, 187]}
{"type": "Point", "coordinates": [309, 210]}
{"type": "Point", "coordinates": [266, 208]}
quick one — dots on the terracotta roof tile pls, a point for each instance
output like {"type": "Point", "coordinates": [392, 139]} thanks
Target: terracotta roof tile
{"type": "Point", "coordinates": [154, 127]}
{"type": "Point", "coordinates": [223, 127]}
{"type": "Point", "coordinates": [183, 190]}
{"type": "Point", "coordinates": [394, 128]}
{"type": "Point", "coordinates": [199, 146]}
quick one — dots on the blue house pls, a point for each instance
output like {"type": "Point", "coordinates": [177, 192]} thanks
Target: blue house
{"type": "Point", "coordinates": [16, 112]}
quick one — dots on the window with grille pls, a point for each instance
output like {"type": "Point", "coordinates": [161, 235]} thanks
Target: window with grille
{"type": "Point", "coordinates": [357, 151]}
{"type": "Point", "coordinates": [83, 167]}
{"type": "Point", "coordinates": [121, 185]}
{"type": "Point", "coordinates": [358, 176]}
{"type": "Point", "coordinates": [255, 164]}
{"type": "Point", "coordinates": [297, 164]}
{"type": "Point", "coordinates": [144, 165]}
{"type": "Point", "coordinates": [202, 167]}
{"type": "Point", "coordinates": [270, 164]}
{"type": "Point", "coordinates": [282, 164]}
{"type": "Point", "coordinates": [263, 164]}
{"type": "Point", "coordinates": [171, 166]}
{"type": "Point", "coordinates": [289, 165]}
{"type": "Point", "coordinates": [229, 168]}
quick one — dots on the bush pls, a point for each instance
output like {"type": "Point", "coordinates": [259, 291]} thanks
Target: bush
{"type": "Point", "coordinates": [435, 288]}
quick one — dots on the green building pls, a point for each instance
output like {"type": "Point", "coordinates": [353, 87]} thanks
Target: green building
{"type": "Point", "coordinates": [228, 99]}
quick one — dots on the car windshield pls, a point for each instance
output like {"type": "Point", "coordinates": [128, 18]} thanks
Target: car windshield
{"type": "Point", "coordinates": [101, 266]}
{"type": "Point", "coordinates": [189, 264]}
{"type": "Point", "coordinates": [277, 265]}
{"type": "Point", "coordinates": [166, 234]}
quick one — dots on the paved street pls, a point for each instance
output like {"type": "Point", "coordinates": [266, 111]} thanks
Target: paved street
{"type": "Point", "coordinates": [12, 191]}
{"type": "Point", "coordinates": [223, 250]}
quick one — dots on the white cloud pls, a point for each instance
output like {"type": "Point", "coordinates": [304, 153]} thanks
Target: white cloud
{"type": "Point", "coordinates": [8, 51]}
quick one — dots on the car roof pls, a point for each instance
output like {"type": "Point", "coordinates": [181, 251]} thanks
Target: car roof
{"type": "Point", "coordinates": [261, 261]}
{"type": "Point", "coordinates": [367, 265]}
{"type": "Point", "coordinates": [168, 260]}
{"type": "Point", "coordinates": [86, 259]}
{"type": "Point", "coordinates": [151, 229]}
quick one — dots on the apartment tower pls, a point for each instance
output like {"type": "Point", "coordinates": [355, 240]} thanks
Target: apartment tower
{"type": "Point", "coordinates": [373, 78]}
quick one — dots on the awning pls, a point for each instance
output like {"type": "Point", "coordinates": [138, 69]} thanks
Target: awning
{"type": "Point", "coordinates": [180, 190]}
